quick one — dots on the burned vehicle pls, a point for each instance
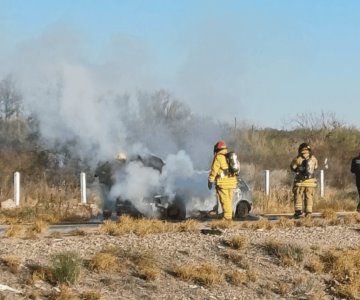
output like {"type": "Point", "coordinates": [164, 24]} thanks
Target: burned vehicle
{"type": "Point", "coordinates": [242, 200]}
{"type": "Point", "coordinates": [152, 202]}
{"type": "Point", "coordinates": [187, 196]}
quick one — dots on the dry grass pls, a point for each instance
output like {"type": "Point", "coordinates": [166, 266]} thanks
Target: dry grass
{"type": "Point", "coordinates": [90, 295]}
{"type": "Point", "coordinates": [204, 274]}
{"type": "Point", "coordinates": [285, 223]}
{"type": "Point", "coordinates": [141, 227]}
{"type": "Point", "coordinates": [142, 262]}
{"type": "Point", "coordinates": [65, 293]}
{"type": "Point", "coordinates": [262, 224]}
{"type": "Point", "coordinates": [15, 231]}
{"type": "Point", "coordinates": [148, 272]}
{"type": "Point", "coordinates": [350, 290]}
{"type": "Point", "coordinates": [109, 227]}
{"type": "Point", "coordinates": [104, 261]}
{"type": "Point", "coordinates": [352, 219]}
{"type": "Point", "coordinates": [279, 201]}
{"type": "Point", "coordinates": [237, 242]}
{"type": "Point", "coordinates": [236, 258]}
{"type": "Point", "coordinates": [253, 274]}
{"type": "Point", "coordinates": [222, 224]}
{"type": "Point", "coordinates": [305, 222]}
{"type": "Point", "coordinates": [237, 277]}
{"type": "Point", "coordinates": [281, 288]}
{"type": "Point", "coordinates": [77, 232]}
{"type": "Point", "coordinates": [329, 214]}
{"type": "Point", "coordinates": [41, 273]}
{"type": "Point", "coordinates": [190, 225]}
{"type": "Point", "coordinates": [146, 264]}
{"type": "Point", "coordinates": [337, 200]}
{"type": "Point", "coordinates": [305, 286]}
{"type": "Point", "coordinates": [287, 254]}
{"type": "Point", "coordinates": [344, 266]}
{"type": "Point", "coordinates": [49, 217]}
{"type": "Point", "coordinates": [13, 262]}
{"type": "Point", "coordinates": [24, 231]}
{"type": "Point", "coordinates": [56, 235]}
{"type": "Point", "coordinates": [314, 265]}
{"type": "Point", "coordinates": [39, 226]}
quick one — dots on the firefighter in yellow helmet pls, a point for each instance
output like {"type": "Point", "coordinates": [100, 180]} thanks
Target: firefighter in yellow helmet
{"type": "Point", "coordinates": [304, 166]}
{"type": "Point", "coordinates": [225, 183]}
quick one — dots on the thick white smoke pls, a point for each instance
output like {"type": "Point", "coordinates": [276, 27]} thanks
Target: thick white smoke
{"type": "Point", "coordinates": [108, 107]}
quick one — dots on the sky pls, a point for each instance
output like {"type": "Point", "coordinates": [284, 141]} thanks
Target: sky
{"type": "Point", "coordinates": [261, 62]}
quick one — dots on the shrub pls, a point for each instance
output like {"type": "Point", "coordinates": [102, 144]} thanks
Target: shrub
{"type": "Point", "coordinates": [288, 254]}
{"type": "Point", "coordinates": [236, 258]}
{"type": "Point", "coordinates": [344, 266]}
{"type": "Point", "coordinates": [104, 262]}
{"type": "Point", "coordinates": [13, 262]}
{"type": "Point", "coordinates": [90, 295]}
{"type": "Point", "coordinates": [66, 267]}
{"type": "Point", "coordinates": [204, 274]}
{"type": "Point", "coordinates": [236, 242]}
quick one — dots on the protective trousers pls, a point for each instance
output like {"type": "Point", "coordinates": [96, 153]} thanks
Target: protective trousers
{"type": "Point", "coordinates": [304, 195]}
{"type": "Point", "coordinates": [358, 188]}
{"type": "Point", "coordinates": [225, 197]}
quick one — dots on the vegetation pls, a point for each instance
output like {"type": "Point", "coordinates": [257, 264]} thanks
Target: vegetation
{"type": "Point", "coordinates": [237, 242]}
{"type": "Point", "coordinates": [50, 173]}
{"type": "Point", "coordinates": [66, 267]}
{"type": "Point", "coordinates": [204, 274]}
{"type": "Point", "coordinates": [287, 254]}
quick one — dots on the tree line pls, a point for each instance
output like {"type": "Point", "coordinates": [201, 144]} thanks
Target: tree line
{"type": "Point", "coordinates": [162, 116]}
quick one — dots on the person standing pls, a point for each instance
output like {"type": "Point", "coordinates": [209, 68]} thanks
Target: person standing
{"type": "Point", "coordinates": [224, 181]}
{"type": "Point", "coordinates": [305, 183]}
{"type": "Point", "coordinates": [355, 169]}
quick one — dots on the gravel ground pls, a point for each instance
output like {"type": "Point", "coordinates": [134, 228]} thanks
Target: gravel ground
{"type": "Point", "coordinates": [183, 249]}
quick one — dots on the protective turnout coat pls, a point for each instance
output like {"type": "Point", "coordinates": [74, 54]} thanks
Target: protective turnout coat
{"type": "Point", "coordinates": [219, 174]}
{"type": "Point", "coordinates": [304, 171]}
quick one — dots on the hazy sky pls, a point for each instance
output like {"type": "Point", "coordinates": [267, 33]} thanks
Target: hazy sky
{"type": "Point", "coordinates": [259, 61]}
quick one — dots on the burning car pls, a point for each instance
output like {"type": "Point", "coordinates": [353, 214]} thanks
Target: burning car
{"type": "Point", "coordinates": [186, 198]}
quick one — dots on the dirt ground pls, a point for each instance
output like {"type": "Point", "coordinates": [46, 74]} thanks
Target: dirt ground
{"type": "Point", "coordinates": [267, 278]}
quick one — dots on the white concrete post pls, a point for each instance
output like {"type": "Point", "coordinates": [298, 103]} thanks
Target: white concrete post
{"type": "Point", "coordinates": [322, 185]}
{"type": "Point", "coordinates": [83, 187]}
{"type": "Point", "coordinates": [267, 182]}
{"type": "Point", "coordinates": [17, 188]}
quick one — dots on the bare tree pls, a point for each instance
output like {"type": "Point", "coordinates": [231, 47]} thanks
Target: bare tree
{"type": "Point", "coordinates": [10, 99]}
{"type": "Point", "coordinates": [310, 121]}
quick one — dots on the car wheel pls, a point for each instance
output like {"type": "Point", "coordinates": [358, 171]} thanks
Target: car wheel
{"type": "Point", "coordinates": [107, 214]}
{"type": "Point", "coordinates": [242, 210]}
{"type": "Point", "coordinates": [176, 210]}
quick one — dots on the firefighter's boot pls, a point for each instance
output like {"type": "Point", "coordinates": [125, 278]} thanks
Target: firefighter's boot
{"type": "Point", "coordinates": [297, 214]}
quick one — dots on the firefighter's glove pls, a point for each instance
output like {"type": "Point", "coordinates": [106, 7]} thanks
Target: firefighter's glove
{"type": "Point", "coordinates": [210, 185]}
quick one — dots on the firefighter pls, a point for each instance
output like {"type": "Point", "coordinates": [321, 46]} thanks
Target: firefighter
{"type": "Point", "coordinates": [225, 183]}
{"type": "Point", "coordinates": [355, 169]}
{"type": "Point", "coordinates": [304, 166]}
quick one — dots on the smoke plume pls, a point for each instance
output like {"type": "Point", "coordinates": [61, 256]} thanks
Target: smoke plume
{"type": "Point", "coordinates": [115, 105]}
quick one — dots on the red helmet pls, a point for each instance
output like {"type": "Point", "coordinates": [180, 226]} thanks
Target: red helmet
{"type": "Point", "coordinates": [219, 145]}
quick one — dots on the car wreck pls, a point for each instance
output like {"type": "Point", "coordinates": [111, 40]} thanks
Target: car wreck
{"type": "Point", "coordinates": [189, 196]}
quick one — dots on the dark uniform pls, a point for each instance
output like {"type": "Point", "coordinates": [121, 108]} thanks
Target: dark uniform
{"type": "Point", "coordinates": [355, 169]}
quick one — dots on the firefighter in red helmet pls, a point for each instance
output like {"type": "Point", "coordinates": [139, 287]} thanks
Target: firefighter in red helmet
{"type": "Point", "coordinates": [225, 183]}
